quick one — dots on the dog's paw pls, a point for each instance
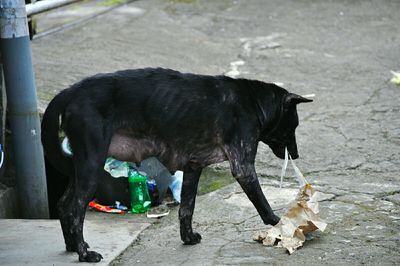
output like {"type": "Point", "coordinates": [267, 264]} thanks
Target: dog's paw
{"type": "Point", "coordinates": [273, 220]}
{"type": "Point", "coordinates": [90, 256]}
{"type": "Point", "coordinates": [191, 239]}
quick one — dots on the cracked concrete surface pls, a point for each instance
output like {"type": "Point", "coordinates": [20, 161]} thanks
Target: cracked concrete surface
{"type": "Point", "coordinates": [348, 138]}
{"type": "Point", "coordinates": [363, 229]}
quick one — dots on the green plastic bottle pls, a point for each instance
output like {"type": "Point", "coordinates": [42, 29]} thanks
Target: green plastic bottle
{"type": "Point", "coordinates": [140, 199]}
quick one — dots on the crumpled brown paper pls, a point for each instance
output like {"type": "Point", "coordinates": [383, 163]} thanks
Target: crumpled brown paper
{"type": "Point", "coordinates": [301, 218]}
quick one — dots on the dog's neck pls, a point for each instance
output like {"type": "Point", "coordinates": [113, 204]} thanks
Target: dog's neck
{"type": "Point", "coordinates": [268, 99]}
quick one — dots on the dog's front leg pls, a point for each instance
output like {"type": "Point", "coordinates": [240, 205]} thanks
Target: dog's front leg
{"type": "Point", "coordinates": [188, 196]}
{"type": "Point", "coordinates": [251, 186]}
{"type": "Point", "coordinates": [242, 167]}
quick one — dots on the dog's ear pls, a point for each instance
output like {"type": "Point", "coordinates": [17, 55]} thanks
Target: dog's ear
{"type": "Point", "coordinates": [292, 98]}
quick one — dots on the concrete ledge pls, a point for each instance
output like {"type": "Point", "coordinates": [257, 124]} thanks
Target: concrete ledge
{"type": "Point", "coordinates": [40, 242]}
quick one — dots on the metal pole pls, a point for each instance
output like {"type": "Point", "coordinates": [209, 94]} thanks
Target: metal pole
{"type": "Point", "coordinates": [22, 105]}
{"type": "Point", "coordinates": [45, 5]}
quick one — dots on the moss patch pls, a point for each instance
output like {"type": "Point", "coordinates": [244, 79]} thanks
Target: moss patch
{"type": "Point", "coordinates": [211, 180]}
{"type": "Point", "coordinates": [112, 2]}
{"type": "Point", "coordinates": [182, 1]}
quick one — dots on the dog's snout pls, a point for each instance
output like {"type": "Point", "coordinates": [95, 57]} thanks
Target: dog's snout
{"type": "Point", "coordinates": [294, 156]}
{"type": "Point", "coordinates": [292, 150]}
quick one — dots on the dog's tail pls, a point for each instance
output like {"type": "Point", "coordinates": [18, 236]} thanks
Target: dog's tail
{"type": "Point", "coordinates": [51, 125]}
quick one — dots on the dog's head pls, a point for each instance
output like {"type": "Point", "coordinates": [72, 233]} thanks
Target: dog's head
{"type": "Point", "coordinates": [282, 133]}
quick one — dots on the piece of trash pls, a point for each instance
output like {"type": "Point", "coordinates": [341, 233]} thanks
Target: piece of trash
{"type": "Point", "coordinates": [140, 198]}
{"type": "Point", "coordinates": [260, 43]}
{"type": "Point", "coordinates": [176, 185]}
{"type": "Point", "coordinates": [396, 78]}
{"type": "Point", "coordinates": [158, 178]}
{"type": "Point", "coordinates": [108, 209]}
{"type": "Point", "coordinates": [301, 218]}
{"type": "Point", "coordinates": [270, 45]}
{"type": "Point", "coordinates": [311, 95]}
{"type": "Point", "coordinates": [151, 186]}
{"type": "Point", "coordinates": [116, 168]}
{"type": "Point", "coordinates": [2, 156]}
{"type": "Point", "coordinates": [158, 211]}
{"type": "Point", "coordinates": [284, 166]}
{"type": "Point", "coordinates": [234, 69]}
{"type": "Point", "coordinates": [280, 84]}
{"type": "Point", "coordinates": [119, 206]}
{"type": "Point", "coordinates": [66, 148]}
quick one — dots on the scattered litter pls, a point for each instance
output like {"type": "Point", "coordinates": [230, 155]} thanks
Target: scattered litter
{"type": "Point", "coordinates": [176, 185]}
{"type": "Point", "coordinates": [158, 212]}
{"type": "Point", "coordinates": [140, 198]}
{"type": "Point", "coordinates": [270, 45]}
{"type": "Point", "coordinates": [2, 156]}
{"type": "Point", "coordinates": [118, 208]}
{"type": "Point", "coordinates": [116, 168]}
{"type": "Point", "coordinates": [260, 43]}
{"type": "Point", "coordinates": [396, 78]}
{"type": "Point", "coordinates": [66, 148]}
{"type": "Point", "coordinates": [280, 84]}
{"type": "Point", "coordinates": [311, 95]}
{"type": "Point", "coordinates": [234, 69]}
{"type": "Point", "coordinates": [140, 184]}
{"type": "Point", "coordinates": [301, 218]}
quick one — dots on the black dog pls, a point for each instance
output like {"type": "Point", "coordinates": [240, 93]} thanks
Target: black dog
{"type": "Point", "coordinates": [187, 121]}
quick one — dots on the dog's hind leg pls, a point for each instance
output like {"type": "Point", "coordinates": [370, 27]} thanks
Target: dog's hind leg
{"type": "Point", "coordinates": [188, 196]}
{"type": "Point", "coordinates": [62, 207]}
{"type": "Point", "coordinates": [73, 213]}
{"type": "Point", "coordinates": [89, 153]}
{"type": "Point", "coordinates": [85, 187]}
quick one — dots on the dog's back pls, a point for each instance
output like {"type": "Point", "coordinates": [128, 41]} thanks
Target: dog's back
{"type": "Point", "coordinates": [150, 111]}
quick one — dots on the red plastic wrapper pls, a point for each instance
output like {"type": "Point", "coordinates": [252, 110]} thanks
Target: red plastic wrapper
{"type": "Point", "coordinates": [94, 205]}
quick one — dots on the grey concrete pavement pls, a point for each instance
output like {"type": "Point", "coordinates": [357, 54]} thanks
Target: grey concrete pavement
{"type": "Point", "coordinates": [360, 231]}
{"type": "Point", "coordinates": [40, 242]}
{"type": "Point", "coordinates": [348, 138]}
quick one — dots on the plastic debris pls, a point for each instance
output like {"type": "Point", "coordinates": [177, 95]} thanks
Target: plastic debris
{"type": "Point", "coordinates": [158, 211]}
{"type": "Point", "coordinates": [301, 218]}
{"type": "Point", "coordinates": [156, 171]}
{"type": "Point", "coordinates": [116, 168]}
{"type": "Point", "coordinates": [2, 156]}
{"type": "Point", "coordinates": [140, 198]}
{"type": "Point", "coordinates": [311, 95]}
{"type": "Point", "coordinates": [396, 78]}
{"type": "Point", "coordinates": [108, 209]}
{"type": "Point", "coordinates": [234, 69]}
{"type": "Point", "coordinates": [159, 177]}
{"type": "Point", "coordinates": [176, 185]}
{"type": "Point", "coordinates": [119, 206]}
{"type": "Point", "coordinates": [66, 148]}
